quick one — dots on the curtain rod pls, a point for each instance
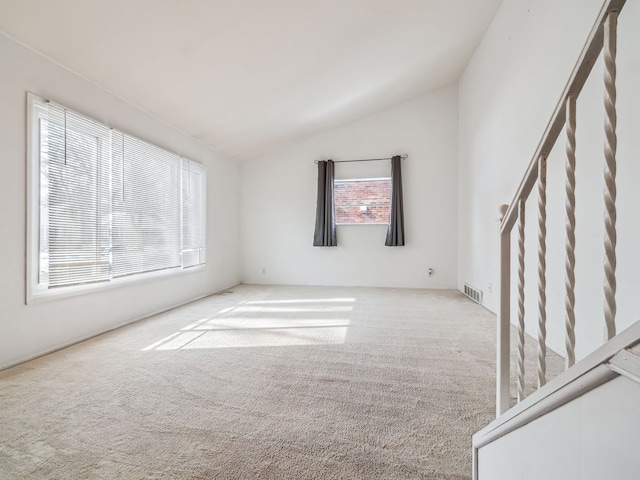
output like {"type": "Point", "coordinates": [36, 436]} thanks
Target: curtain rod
{"type": "Point", "coordinates": [365, 159]}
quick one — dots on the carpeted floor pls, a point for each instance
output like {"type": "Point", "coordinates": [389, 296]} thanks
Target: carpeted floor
{"type": "Point", "coordinates": [262, 383]}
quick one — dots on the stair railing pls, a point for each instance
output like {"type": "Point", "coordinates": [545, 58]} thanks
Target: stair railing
{"type": "Point", "coordinates": [602, 38]}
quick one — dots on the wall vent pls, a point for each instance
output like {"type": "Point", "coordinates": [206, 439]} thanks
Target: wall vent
{"type": "Point", "coordinates": [473, 293]}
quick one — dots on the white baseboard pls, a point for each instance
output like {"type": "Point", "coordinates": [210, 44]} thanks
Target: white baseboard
{"type": "Point", "coordinates": [107, 330]}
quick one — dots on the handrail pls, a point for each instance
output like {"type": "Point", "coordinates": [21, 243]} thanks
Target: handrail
{"type": "Point", "coordinates": [602, 36]}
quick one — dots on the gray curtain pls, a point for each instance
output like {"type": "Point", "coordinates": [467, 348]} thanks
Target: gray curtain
{"type": "Point", "coordinates": [325, 233]}
{"type": "Point", "coordinates": [395, 231]}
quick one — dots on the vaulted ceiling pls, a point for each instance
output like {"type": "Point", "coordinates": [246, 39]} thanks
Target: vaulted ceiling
{"type": "Point", "coordinates": [251, 76]}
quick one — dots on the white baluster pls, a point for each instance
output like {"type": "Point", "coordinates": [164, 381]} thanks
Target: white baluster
{"type": "Point", "coordinates": [610, 145]}
{"type": "Point", "coordinates": [570, 231]}
{"type": "Point", "coordinates": [542, 267]}
{"type": "Point", "coordinates": [520, 386]}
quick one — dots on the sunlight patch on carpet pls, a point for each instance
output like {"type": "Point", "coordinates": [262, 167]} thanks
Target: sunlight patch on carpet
{"type": "Point", "coordinates": [301, 300]}
{"type": "Point", "coordinates": [253, 337]}
{"type": "Point", "coordinates": [264, 323]}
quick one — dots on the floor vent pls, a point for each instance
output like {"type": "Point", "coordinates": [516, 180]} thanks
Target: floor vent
{"type": "Point", "coordinates": [473, 293]}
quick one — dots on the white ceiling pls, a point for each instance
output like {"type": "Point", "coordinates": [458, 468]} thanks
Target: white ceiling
{"type": "Point", "coordinates": [250, 76]}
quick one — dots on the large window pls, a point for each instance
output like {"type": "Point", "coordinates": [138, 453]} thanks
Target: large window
{"type": "Point", "coordinates": [362, 200]}
{"type": "Point", "coordinates": [106, 206]}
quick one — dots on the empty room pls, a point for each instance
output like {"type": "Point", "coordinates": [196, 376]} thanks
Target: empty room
{"type": "Point", "coordinates": [318, 239]}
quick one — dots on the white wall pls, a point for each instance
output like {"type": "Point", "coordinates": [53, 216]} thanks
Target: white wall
{"type": "Point", "coordinates": [279, 194]}
{"type": "Point", "coordinates": [506, 97]}
{"type": "Point", "coordinates": [29, 330]}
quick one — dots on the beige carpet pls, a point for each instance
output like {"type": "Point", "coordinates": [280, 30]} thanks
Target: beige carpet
{"type": "Point", "coordinates": [262, 383]}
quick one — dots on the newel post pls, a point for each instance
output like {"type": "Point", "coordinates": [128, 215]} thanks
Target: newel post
{"type": "Point", "coordinates": [504, 321]}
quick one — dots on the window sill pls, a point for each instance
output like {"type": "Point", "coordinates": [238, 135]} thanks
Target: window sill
{"type": "Point", "coordinates": [35, 295]}
{"type": "Point", "coordinates": [351, 224]}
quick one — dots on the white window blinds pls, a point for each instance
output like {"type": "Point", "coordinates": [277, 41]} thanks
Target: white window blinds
{"type": "Point", "coordinates": [75, 200]}
{"type": "Point", "coordinates": [111, 205]}
{"type": "Point", "coordinates": [193, 214]}
{"type": "Point", "coordinates": [146, 207]}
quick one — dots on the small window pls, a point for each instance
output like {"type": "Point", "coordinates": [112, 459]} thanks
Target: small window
{"type": "Point", "coordinates": [362, 201]}
{"type": "Point", "coordinates": [105, 206]}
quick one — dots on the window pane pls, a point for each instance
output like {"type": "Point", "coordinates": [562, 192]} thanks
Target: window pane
{"type": "Point", "coordinates": [364, 201]}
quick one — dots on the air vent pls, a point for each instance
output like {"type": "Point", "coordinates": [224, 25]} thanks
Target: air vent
{"type": "Point", "coordinates": [473, 293]}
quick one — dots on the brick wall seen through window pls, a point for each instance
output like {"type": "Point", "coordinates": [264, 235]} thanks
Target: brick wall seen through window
{"type": "Point", "coordinates": [365, 200]}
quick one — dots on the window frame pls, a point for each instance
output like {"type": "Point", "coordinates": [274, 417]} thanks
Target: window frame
{"type": "Point", "coordinates": [37, 292]}
{"type": "Point", "coordinates": [361, 179]}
